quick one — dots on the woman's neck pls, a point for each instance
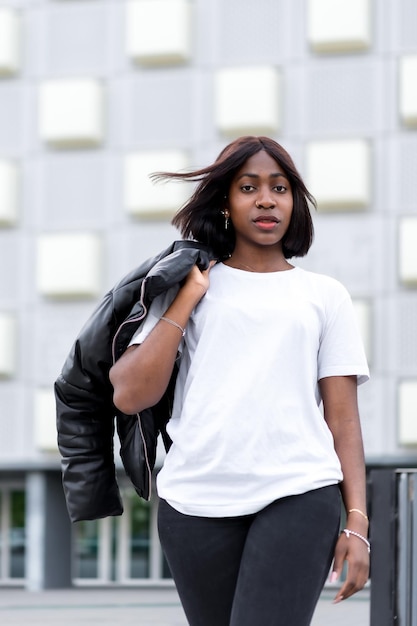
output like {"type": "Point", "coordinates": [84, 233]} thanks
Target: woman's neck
{"type": "Point", "coordinates": [261, 264]}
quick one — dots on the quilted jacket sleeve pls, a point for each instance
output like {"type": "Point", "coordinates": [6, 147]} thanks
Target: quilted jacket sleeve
{"type": "Point", "coordinates": [85, 440]}
{"type": "Point", "coordinates": [85, 420]}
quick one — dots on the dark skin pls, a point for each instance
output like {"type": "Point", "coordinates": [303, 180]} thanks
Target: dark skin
{"type": "Point", "coordinates": [260, 206]}
{"type": "Point", "coordinates": [339, 396]}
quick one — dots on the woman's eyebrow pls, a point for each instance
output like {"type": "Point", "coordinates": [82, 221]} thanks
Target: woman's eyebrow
{"type": "Point", "coordinates": [250, 175]}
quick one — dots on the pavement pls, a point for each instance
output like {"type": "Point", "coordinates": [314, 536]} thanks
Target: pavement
{"type": "Point", "coordinates": [142, 606]}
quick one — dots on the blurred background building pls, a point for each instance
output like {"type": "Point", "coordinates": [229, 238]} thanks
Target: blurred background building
{"type": "Point", "coordinates": [97, 94]}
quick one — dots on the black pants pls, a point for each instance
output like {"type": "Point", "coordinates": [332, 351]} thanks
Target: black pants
{"type": "Point", "coordinates": [267, 568]}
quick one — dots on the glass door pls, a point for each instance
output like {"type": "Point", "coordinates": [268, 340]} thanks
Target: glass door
{"type": "Point", "coordinates": [12, 534]}
{"type": "Point", "coordinates": [121, 550]}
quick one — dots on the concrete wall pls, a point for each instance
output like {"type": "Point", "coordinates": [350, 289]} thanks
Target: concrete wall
{"type": "Point", "coordinates": [87, 101]}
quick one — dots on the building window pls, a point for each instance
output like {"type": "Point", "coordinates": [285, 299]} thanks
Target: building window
{"type": "Point", "coordinates": [139, 537]}
{"type": "Point", "coordinates": [122, 549]}
{"type": "Point", "coordinates": [12, 534]}
{"type": "Point", "coordinates": [86, 550]}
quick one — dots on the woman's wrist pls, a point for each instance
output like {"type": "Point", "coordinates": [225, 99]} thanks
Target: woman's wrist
{"type": "Point", "coordinates": [349, 532]}
{"type": "Point", "coordinates": [188, 297]}
{"type": "Point", "coordinates": [357, 523]}
{"type": "Point", "coordinates": [360, 512]}
{"type": "Point", "coordinates": [182, 306]}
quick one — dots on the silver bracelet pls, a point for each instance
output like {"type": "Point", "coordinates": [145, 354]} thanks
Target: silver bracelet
{"type": "Point", "coordinates": [355, 534]}
{"type": "Point", "coordinates": [170, 321]}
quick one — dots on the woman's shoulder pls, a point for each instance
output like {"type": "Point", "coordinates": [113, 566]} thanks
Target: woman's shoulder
{"type": "Point", "coordinates": [323, 282]}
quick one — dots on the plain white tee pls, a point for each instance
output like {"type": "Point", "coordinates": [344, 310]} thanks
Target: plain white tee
{"type": "Point", "coordinates": [247, 426]}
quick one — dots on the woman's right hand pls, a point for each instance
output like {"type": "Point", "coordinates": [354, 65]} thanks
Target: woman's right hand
{"type": "Point", "coordinates": [197, 282]}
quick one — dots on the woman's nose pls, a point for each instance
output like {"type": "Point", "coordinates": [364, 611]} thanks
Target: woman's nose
{"type": "Point", "coordinates": [265, 201]}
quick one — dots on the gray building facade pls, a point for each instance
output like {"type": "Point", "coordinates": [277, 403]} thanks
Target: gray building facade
{"type": "Point", "coordinates": [97, 94]}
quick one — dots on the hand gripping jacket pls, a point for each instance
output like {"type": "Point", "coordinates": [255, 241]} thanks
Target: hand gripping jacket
{"type": "Point", "coordinates": [83, 392]}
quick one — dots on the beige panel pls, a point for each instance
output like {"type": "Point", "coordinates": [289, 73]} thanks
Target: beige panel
{"type": "Point", "coordinates": [407, 250]}
{"type": "Point", "coordinates": [158, 31]}
{"type": "Point", "coordinates": [8, 347]}
{"type": "Point", "coordinates": [407, 412]}
{"type": "Point", "coordinates": [9, 41]}
{"type": "Point", "coordinates": [71, 112]}
{"type": "Point", "coordinates": [363, 314]}
{"type": "Point", "coordinates": [9, 191]}
{"type": "Point", "coordinates": [339, 174]}
{"type": "Point", "coordinates": [248, 100]}
{"type": "Point", "coordinates": [408, 90]}
{"type": "Point", "coordinates": [339, 25]}
{"type": "Point", "coordinates": [69, 265]}
{"type": "Point", "coordinates": [145, 198]}
{"type": "Point", "coordinates": [45, 433]}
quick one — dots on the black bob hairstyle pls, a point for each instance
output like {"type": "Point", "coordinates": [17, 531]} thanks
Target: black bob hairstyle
{"type": "Point", "coordinates": [201, 217]}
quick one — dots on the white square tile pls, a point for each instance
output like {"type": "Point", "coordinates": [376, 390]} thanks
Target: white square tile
{"type": "Point", "coordinates": [158, 31]}
{"type": "Point", "coordinates": [407, 412]}
{"type": "Point", "coordinates": [69, 265]}
{"type": "Point", "coordinates": [45, 432]}
{"type": "Point", "coordinates": [145, 198]}
{"type": "Point", "coordinates": [8, 345]}
{"type": "Point", "coordinates": [9, 193]}
{"type": "Point", "coordinates": [339, 174]}
{"type": "Point", "coordinates": [407, 250]}
{"type": "Point", "coordinates": [248, 100]}
{"type": "Point", "coordinates": [71, 112]}
{"type": "Point", "coordinates": [339, 25]}
{"type": "Point", "coordinates": [408, 90]}
{"type": "Point", "coordinates": [9, 42]}
{"type": "Point", "coordinates": [363, 315]}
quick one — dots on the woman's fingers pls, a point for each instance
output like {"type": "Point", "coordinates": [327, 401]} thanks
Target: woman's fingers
{"type": "Point", "coordinates": [357, 558]}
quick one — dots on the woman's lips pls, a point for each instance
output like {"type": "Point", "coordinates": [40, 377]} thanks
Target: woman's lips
{"type": "Point", "coordinates": [266, 223]}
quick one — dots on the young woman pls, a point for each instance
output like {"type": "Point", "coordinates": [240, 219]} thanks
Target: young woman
{"type": "Point", "coordinates": [265, 427]}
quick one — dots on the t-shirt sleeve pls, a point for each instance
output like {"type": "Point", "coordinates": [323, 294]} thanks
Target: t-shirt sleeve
{"type": "Point", "coordinates": [157, 309]}
{"type": "Point", "coordinates": [341, 351]}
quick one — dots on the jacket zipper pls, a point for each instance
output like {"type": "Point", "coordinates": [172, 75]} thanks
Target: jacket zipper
{"type": "Point", "coordinates": [134, 319]}
{"type": "Point", "coordinates": [137, 319]}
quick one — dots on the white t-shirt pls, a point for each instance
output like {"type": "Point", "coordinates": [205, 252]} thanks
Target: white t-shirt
{"type": "Point", "coordinates": [247, 426]}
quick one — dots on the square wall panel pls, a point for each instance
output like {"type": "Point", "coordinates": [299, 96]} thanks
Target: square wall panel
{"type": "Point", "coordinates": [407, 250]}
{"type": "Point", "coordinates": [247, 100]}
{"type": "Point", "coordinates": [158, 32]}
{"type": "Point", "coordinates": [69, 265]}
{"type": "Point", "coordinates": [408, 90]}
{"type": "Point", "coordinates": [9, 42]}
{"type": "Point", "coordinates": [407, 412]}
{"type": "Point", "coordinates": [8, 345]}
{"type": "Point", "coordinates": [339, 174]}
{"type": "Point", "coordinates": [8, 193]}
{"type": "Point", "coordinates": [145, 198]}
{"type": "Point", "coordinates": [339, 25]}
{"type": "Point", "coordinates": [45, 433]}
{"type": "Point", "coordinates": [71, 112]}
{"type": "Point", "coordinates": [363, 315]}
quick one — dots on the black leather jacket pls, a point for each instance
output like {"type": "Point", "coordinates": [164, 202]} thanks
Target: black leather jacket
{"type": "Point", "coordinates": [85, 409]}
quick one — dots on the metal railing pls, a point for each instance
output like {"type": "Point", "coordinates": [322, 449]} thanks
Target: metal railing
{"type": "Point", "coordinates": [393, 532]}
{"type": "Point", "coordinates": [407, 547]}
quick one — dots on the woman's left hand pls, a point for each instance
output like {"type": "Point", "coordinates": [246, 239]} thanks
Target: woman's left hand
{"type": "Point", "coordinates": [353, 550]}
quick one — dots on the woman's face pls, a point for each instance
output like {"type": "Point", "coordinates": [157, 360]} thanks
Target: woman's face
{"type": "Point", "coordinates": [260, 202]}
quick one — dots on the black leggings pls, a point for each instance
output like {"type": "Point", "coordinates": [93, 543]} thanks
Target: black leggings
{"type": "Point", "coordinates": [267, 568]}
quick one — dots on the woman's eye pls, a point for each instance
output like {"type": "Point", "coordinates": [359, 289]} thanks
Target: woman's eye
{"type": "Point", "coordinates": [247, 187]}
{"type": "Point", "coordinates": [281, 188]}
